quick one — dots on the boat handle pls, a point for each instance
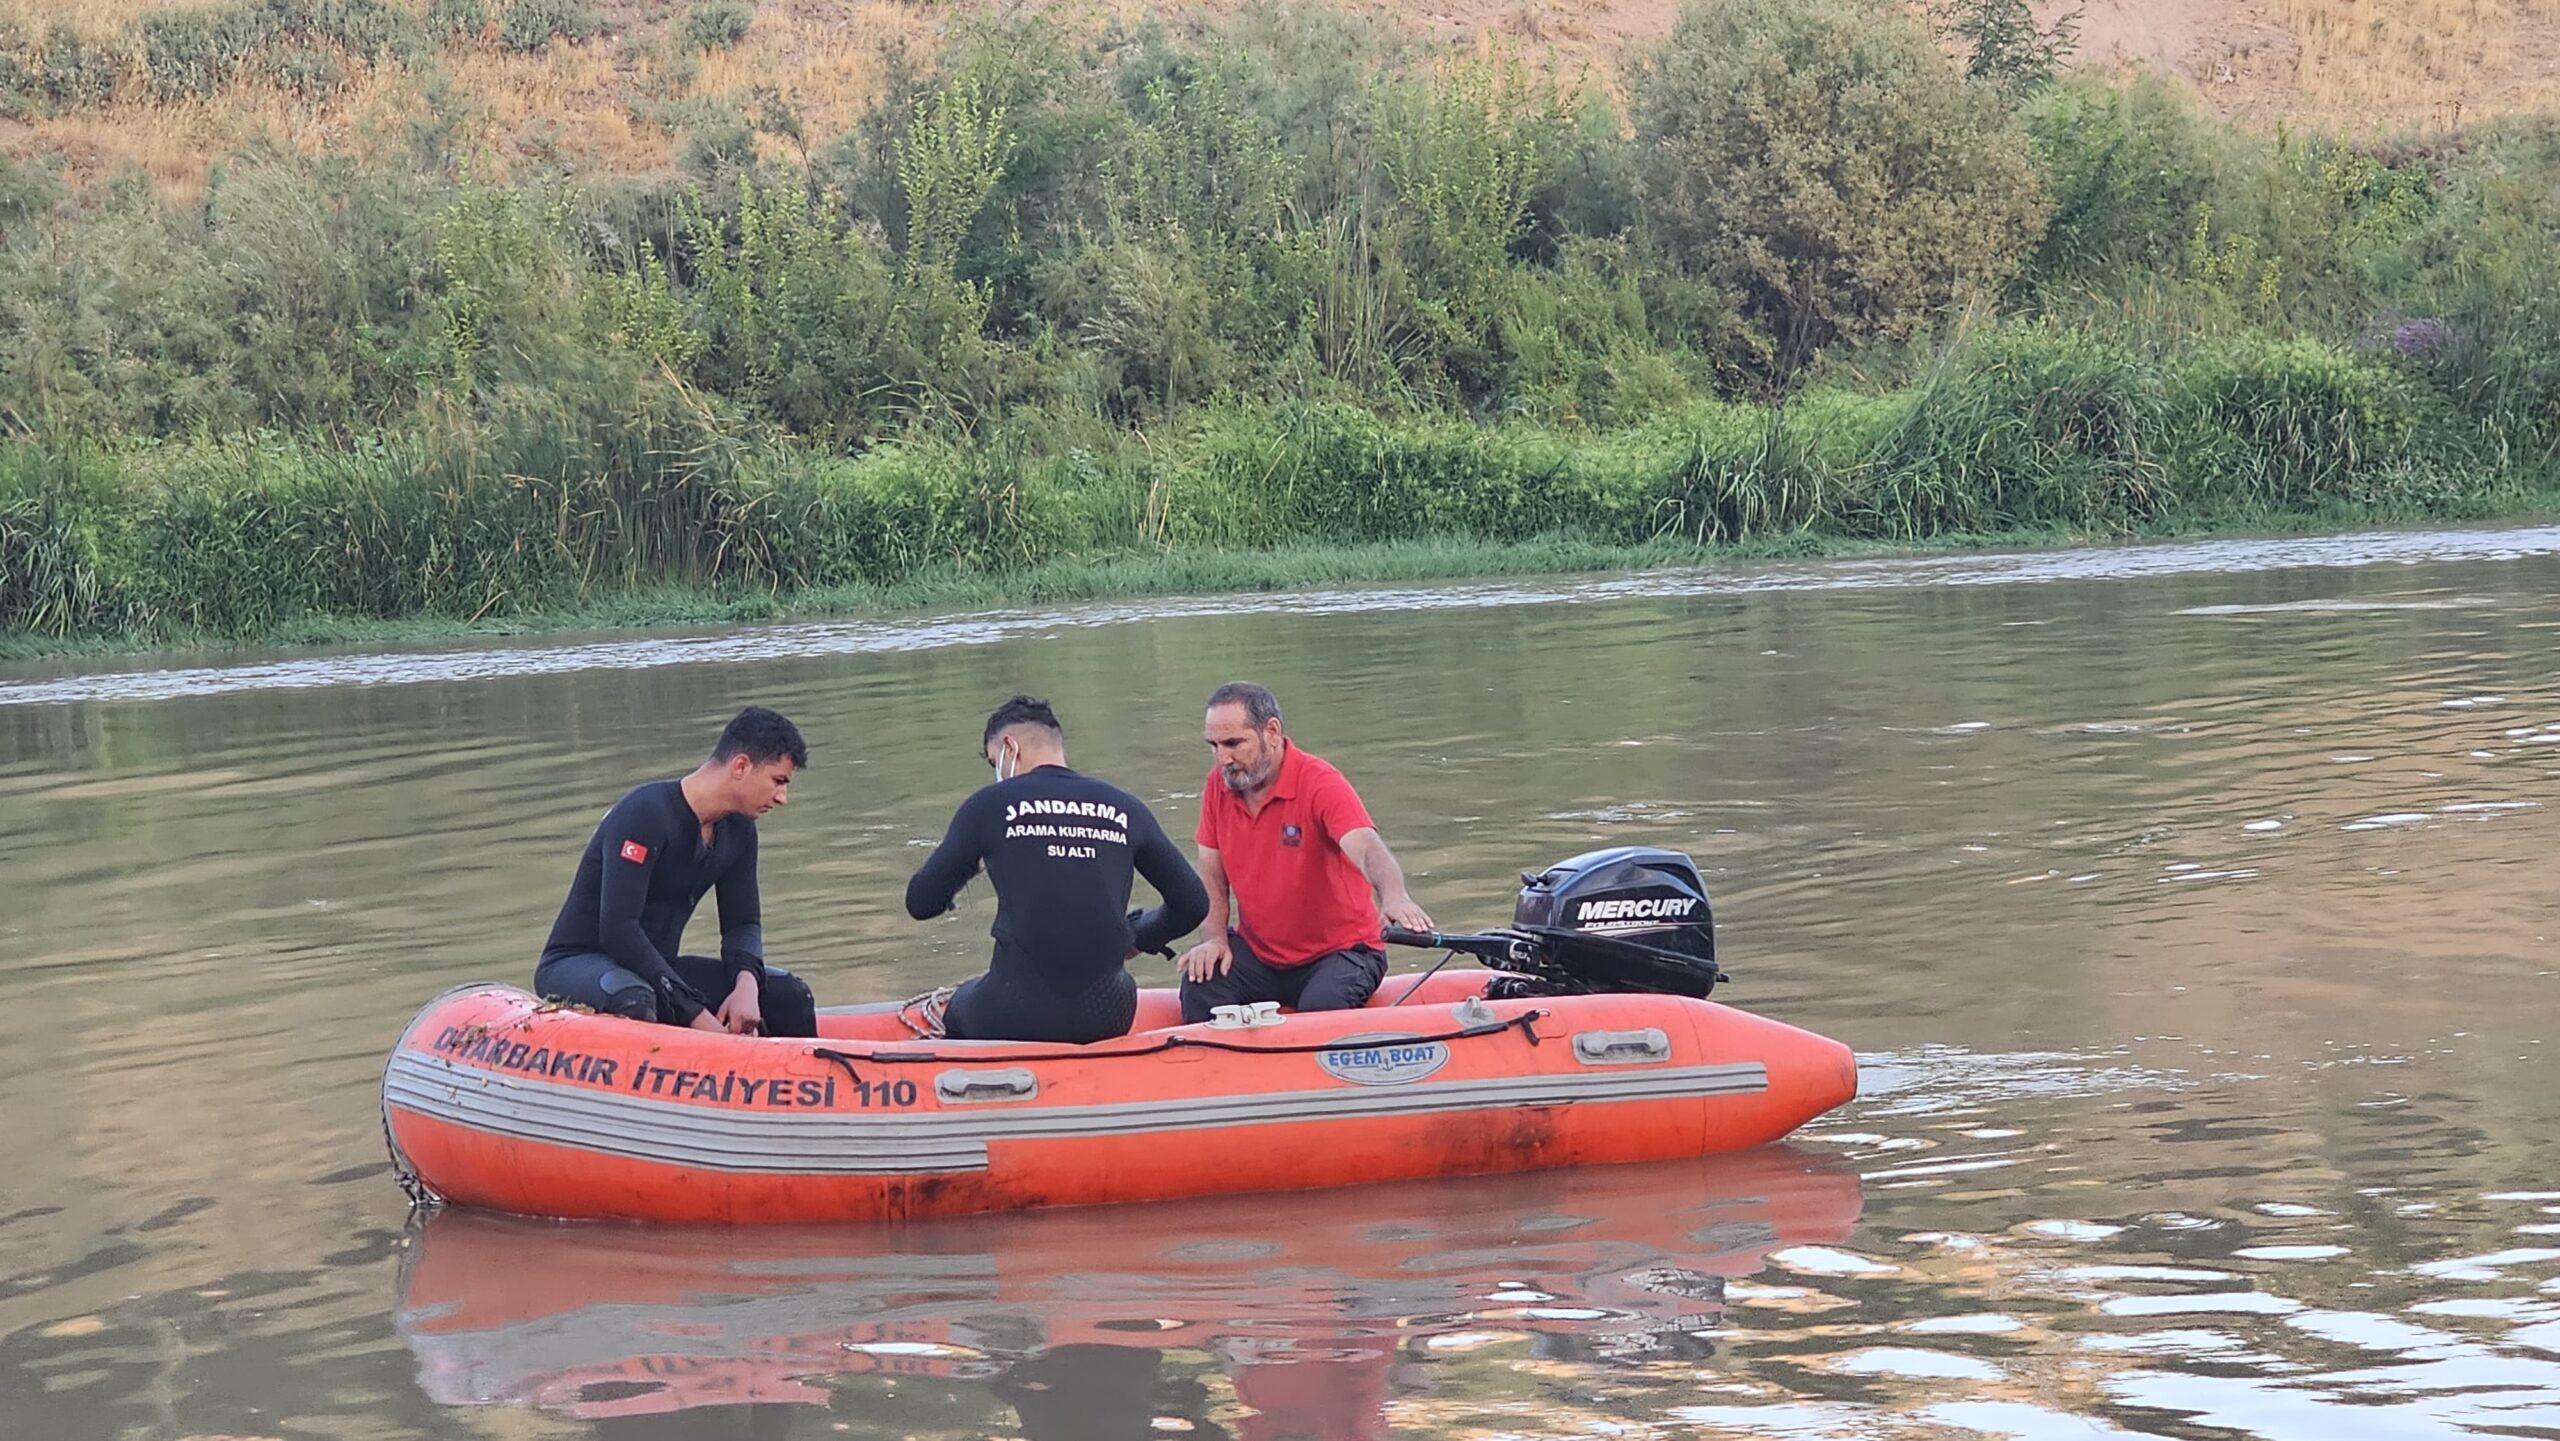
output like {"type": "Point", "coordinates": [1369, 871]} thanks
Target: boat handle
{"type": "Point", "coordinates": [1621, 1048]}
{"type": "Point", "coordinates": [1011, 1084]}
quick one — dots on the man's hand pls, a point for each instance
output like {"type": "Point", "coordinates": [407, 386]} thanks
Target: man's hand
{"type": "Point", "coordinates": [1369, 851]}
{"type": "Point", "coordinates": [743, 1013]}
{"type": "Point", "coordinates": [705, 1021]}
{"type": "Point", "coordinates": [1164, 949]}
{"type": "Point", "coordinates": [1400, 910]}
{"type": "Point", "coordinates": [1210, 958]}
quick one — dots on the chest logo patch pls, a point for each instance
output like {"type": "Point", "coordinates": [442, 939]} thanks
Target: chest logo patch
{"type": "Point", "coordinates": [1291, 835]}
{"type": "Point", "coordinates": [635, 853]}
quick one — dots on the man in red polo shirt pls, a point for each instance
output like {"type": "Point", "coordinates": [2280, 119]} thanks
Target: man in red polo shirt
{"type": "Point", "coordinates": [1288, 836]}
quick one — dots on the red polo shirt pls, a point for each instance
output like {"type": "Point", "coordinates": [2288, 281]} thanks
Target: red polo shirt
{"type": "Point", "coordinates": [1297, 895]}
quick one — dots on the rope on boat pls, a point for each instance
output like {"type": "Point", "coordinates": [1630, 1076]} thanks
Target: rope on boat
{"type": "Point", "coordinates": [924, 1015]}
{"type": "Point", "coordinates": [1525, 1023]}
{"type": "Point", "coordinates": [422, 1197]}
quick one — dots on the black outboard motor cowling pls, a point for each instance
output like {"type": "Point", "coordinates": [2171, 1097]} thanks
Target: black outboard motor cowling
{"type": "Point", "coordinates": [1636, 892]}
{"type": "Point", "coordinates": [1631, 918]}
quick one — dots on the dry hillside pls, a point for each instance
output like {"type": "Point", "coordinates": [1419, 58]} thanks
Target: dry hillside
{"type": "Point", "coordinates": [2329, 63]}
{"type": "Point", "coordinates": [2322, 62]}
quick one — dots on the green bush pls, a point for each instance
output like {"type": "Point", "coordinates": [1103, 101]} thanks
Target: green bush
{"type": "Point", "coordinates": [804, 320]}
{"type": "Point", "coordinates": [29, 189]}
{"type": "Point", "coordinates": [69, 73]}
{"type": "Point", "coordinates": [58, 573]}
{"type": "Point", "coordinates": [1465, 155]}
{"type": "Point", "coordinates": [2028, 426]}
{"type": "Point", "coordinates": [17, 71]}
{"type": "Point", "coordinates": [1585, 344]}
{"type": "Point", "coordinates": [1146, 316]}
{"type": "Point", "coordinates": [719, 144]}
{"type": "Point", "coordinates": [951, 159]}
{"type": "Point", "coordinates": [533, 24]}
{"type": "Point", "coordinates": [1823, 159]}
{"type": "Point", "coordinates": [2004, 46]}
{"type": "Point", "coordinates": [717, 24]}
{"type": "Point", "coordinates": [2289, 423]}
{"type": "Point", "coordinates": [2127, 167]}
{"type": "Point", "coordinates": [458, 19]}
{"type": "Point", "coordinates": [2479, 311]}
{"type": "Point", "coordinates": [293, 43]}
{"type": "Point", "coordinates": [284, 298]}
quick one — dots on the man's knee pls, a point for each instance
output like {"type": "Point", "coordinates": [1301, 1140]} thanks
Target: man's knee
{"type": "Point", "coordinates": [1239, 985]}
{"type": "Point", "coordinates": [1196, 1003]}
{"type": "Point", "coordinates": [593, 981]}
{"type": "Point", "coordinates": [635, 1001]}
{"type": "Point", "coordinates": [1200, 998]}
{"type": "Point", "coordinates": [1344, 981]}
{"type": "Point", "coordinates": [790, 1007]}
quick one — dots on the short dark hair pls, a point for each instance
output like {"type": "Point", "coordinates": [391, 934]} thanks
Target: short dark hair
{"type": "Point", "coordinates": [762, 736]}
{"type": "Point", "coordinates": [1021, 710]}
{"type": "Point", "coordinates": [1261, 707]}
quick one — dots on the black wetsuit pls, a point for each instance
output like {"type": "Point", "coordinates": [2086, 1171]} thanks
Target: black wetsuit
{"type": "Point", "coordinates": [613, 949]}
{"type": "Point", "coordinates": [1060, 848]}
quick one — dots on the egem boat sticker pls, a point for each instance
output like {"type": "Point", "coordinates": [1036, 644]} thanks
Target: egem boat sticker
{"type": "Point", "coordinates": [1383, 1060]}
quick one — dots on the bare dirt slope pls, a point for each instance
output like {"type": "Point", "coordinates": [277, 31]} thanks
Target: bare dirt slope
{"type": "Point", "coordinates": [600, 107]}
{"type": "Point", "coordinates": [2353, 63]}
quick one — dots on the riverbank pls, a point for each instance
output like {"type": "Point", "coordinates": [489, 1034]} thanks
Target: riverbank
{"type": "Point", "coordinates": [1444, 559]}
{"type": "Point", "coordinates": [634, 506]}
{"type": "Point", "coordinates": [1070, 313]}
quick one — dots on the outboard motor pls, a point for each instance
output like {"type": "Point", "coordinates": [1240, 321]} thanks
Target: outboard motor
{"type": "Point", "coordinates": [1631, 918]}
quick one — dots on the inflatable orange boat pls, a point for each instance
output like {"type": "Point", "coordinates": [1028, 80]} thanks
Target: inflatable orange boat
{"type": "Point", "coordinates": [1297, 1296]}
{"type": "Point", "coordinates": [1574, 1047]}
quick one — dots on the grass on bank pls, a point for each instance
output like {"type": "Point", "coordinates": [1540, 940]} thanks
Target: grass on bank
{"type": "Point", "coordinates": [571, 509]}
{"type": "Point", "coordinates": [951, 589]}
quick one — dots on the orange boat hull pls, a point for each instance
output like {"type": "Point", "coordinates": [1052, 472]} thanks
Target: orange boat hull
{"type": "Point", "coordinates": [493, 1100]}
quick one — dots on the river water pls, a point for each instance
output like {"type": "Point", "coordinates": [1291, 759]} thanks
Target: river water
{"type": "Point", "coordinates": [2191, 908]}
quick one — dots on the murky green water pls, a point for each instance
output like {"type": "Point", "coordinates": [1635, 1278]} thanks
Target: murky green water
{"type": "Point", "coordinates": [2192, 909]}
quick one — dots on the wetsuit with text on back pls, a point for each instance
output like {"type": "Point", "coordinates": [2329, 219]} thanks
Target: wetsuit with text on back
{"type": "Point", "coordinates": [613, 948]}
{"type": "Point", "coordinates": [1060, 848]}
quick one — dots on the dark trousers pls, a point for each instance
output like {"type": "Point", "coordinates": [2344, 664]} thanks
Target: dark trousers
{"type": "Point", "coordinates": [1334, 981]}
{"type": "Point", "coordinates": [601, 984]}
{"type": "Point", "coordinates": [999, 1007]}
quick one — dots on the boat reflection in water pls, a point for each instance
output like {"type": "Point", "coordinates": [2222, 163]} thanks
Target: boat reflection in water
{"type": "Point", "coordinates": [1307, 1301]}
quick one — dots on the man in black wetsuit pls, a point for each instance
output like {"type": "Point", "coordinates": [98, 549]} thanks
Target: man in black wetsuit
{"type": "Point", "coordinates": [1059, 848]}
{"type": "Point", "coordinates": [647, 866]}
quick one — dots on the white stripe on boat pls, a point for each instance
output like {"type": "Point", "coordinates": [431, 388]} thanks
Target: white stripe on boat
{"type": "Point", "coordinates": [871, 1142]}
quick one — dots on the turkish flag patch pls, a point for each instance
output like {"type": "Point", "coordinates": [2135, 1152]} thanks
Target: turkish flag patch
{"type": "Point", "coordinates": [635, 852]}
